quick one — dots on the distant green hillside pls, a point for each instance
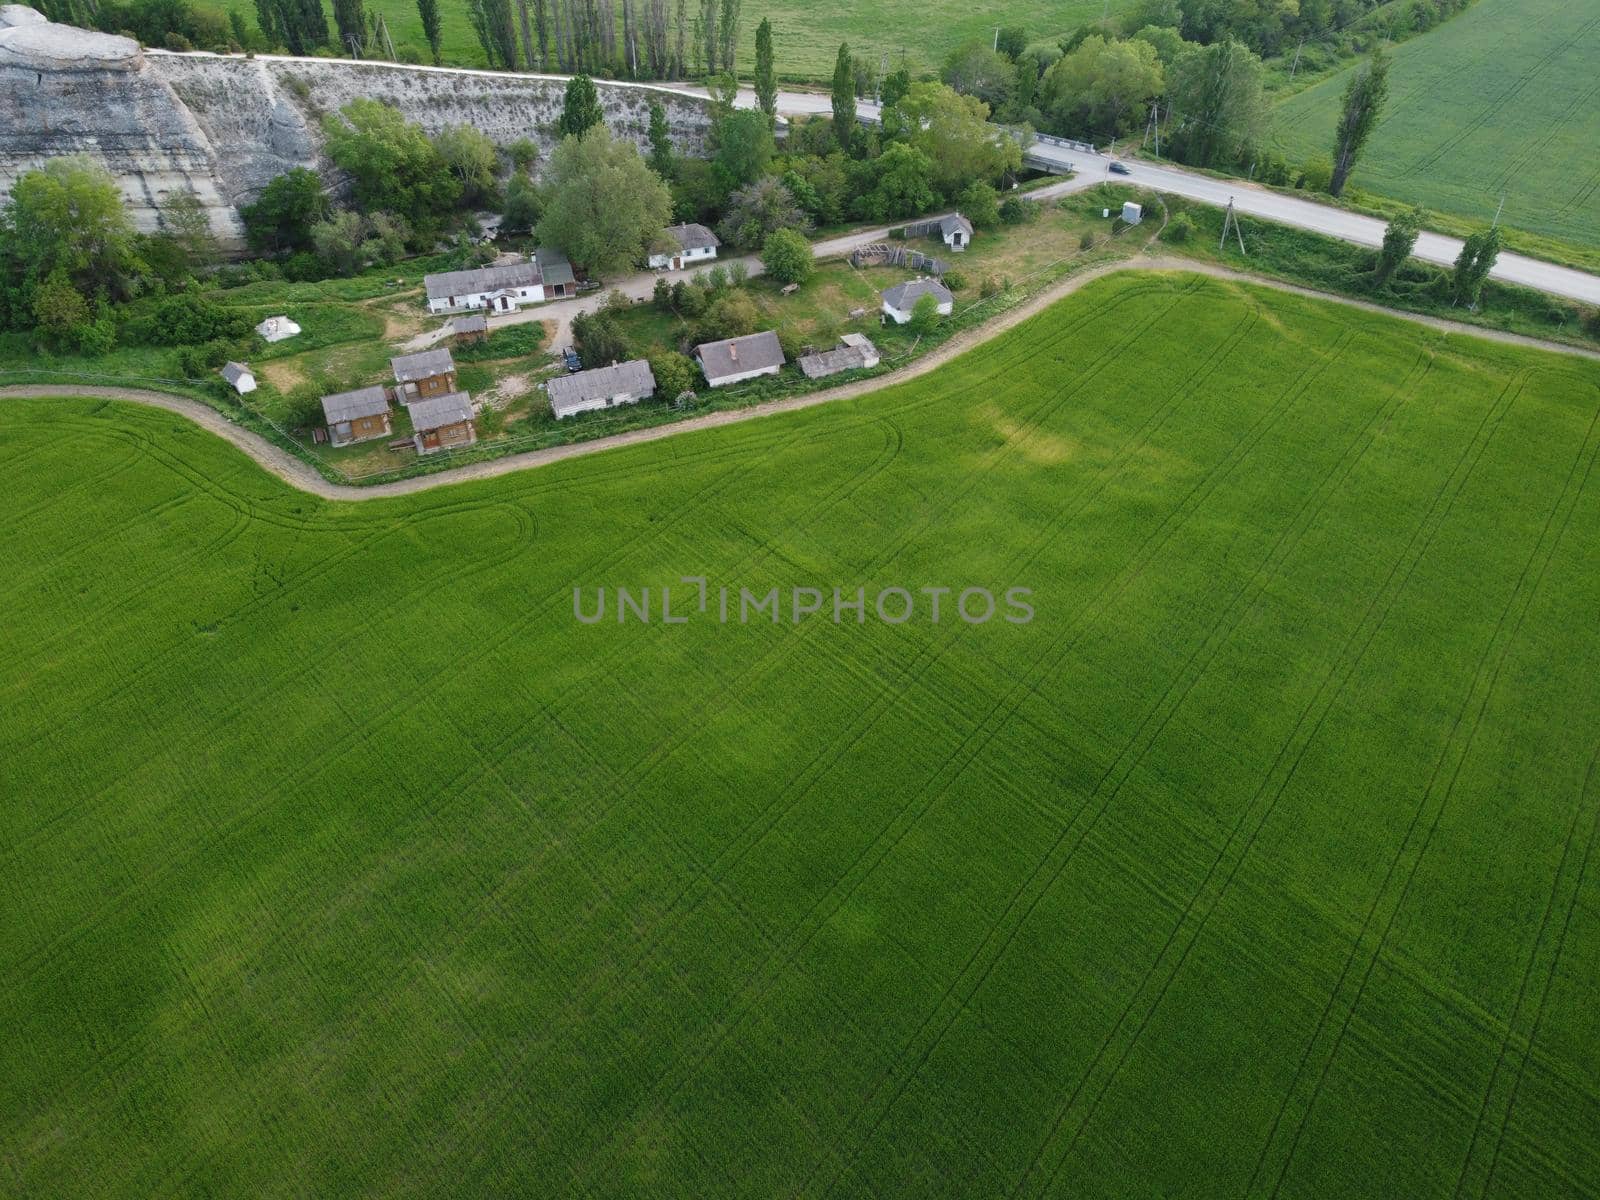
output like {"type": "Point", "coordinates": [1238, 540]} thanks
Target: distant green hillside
{"type": "Point", "coordinates": [1501, 100]}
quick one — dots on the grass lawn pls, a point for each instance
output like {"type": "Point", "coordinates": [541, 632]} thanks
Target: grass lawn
{"type": "Point", "coordinates": [1498, 101]}
{"type": "Point", "coordinates": [341, 859]}
{"type": "Point", "coordinates": [805, 37]}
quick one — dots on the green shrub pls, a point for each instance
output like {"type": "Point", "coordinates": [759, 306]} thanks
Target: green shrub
{"type": "Point", "coordinates": [1179, 230]}
{"type": "Point", "coordinates": [954, 280]}
{"type": "Point", "coordinates": [1086, 240]}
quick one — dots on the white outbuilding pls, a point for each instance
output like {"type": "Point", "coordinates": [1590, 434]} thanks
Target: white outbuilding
{"type": "Point", "coordinates": [277, 329]}
{"type": "Point", "coordinates": [684, 246]}
{"type": "Point", "coordinates": [900, 301]}
{"type": "Point", "coordinates": [240, 377]}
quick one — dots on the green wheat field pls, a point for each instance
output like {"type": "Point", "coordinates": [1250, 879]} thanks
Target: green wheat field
{"type": "Point", "coordinates": [1502, 100]}
{"type": "Point", "coordinates": [340, 859]}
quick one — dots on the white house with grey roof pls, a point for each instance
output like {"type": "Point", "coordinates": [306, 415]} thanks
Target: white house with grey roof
{"type": "Point", "coordinates": [684, 246]}
{"type": "Point", "coordinates": [239, 376]}
{"type": "Point", "coordinates": [955, 231]}
{"type": "Point", "coordinates": [901, 300]}
{"type": "Point", "coordinates": [854, 352]}
{"type": "Point", "coordinates": [546, 276]}
{"type": "Point", "coordinates": [357, 416]}
{"type": "Point", "coordinates": [604, 387]}
{"type": "Point", "coordinates": [733, 360]}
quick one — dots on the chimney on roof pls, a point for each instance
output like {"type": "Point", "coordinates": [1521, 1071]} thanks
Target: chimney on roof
{"type": "Point", "coordinates": [733, 351]}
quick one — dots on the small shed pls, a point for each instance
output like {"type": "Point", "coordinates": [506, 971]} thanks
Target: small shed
{"type": "Point", "coordinates": [357, 416]}
{"type": "Point", "coordinates": [239, 377]}
{"type": "Point", "coordinates": [428, 373]}
{"type": "Point", "coordinates": [683, 246]}
{"type": "Point", "coordinates": [277, 329]}
{"type": "Point", "coordinates": [1132, 213]}
{"type": "Point", "coordinates": [733, 360]}
{"type": "Point", "coordinates": [443, 422]}
{"type": "Point", "coordinates": [900, 301]}
{"type": "Point", "coordinates": [955, 231]}
{"type": "Point", "coordinates": [559, 282]}
{"type": "Point", "coordinates": [466, 330]}
{"type": "Point", "coordinates": [604, 387]}
{"type": "Point", "coordinates": [854, 352]}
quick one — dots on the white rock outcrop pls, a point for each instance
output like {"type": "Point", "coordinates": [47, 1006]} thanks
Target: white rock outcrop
{"type": "Point", "coordinates": [222, 126]}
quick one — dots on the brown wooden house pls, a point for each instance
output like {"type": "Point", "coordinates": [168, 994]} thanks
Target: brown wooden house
{"type": "Point", "coordinates": [357, 416]}
{"type": "Point", "coordinates": [423, 376]}
{"type": "Point", "coordinates": [464, 331]}
{"type": "Point", "coordinates": [443, 422]}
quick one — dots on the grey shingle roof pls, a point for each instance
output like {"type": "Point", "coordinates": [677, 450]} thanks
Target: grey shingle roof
{"type": "Point", "coordinates": [439, 411]}
{"type": "Point", "coordinates": [233, 372]}
{"type": "Point", "coordinates": [954, 222]}
{"type": "Point", "coordinates": [734, 356]}
{"type": "Point", "coordinates": [856, 351]}
{"type": "Point", "coordinates": [481, 279]}
{"type": "Point", "coordinates": [691, 236]}
{"type": "Point", "coordinates": [477, 323]}
{"type": "Point", "coordinates": [348, 406]}
{"type": "Point", "coordinates": [633, 377]}
{"type": "Point", "coordinates": [553, 265]}
{"type": "Point", "coordinates": [903, 295]}
{"type": "Point", "coordinates": [408, 368]}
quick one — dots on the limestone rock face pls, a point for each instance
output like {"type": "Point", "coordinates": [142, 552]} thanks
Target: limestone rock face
{"type": "Point", "coordinates": [223, 127]}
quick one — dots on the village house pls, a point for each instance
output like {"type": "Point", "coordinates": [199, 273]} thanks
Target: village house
{"type": "Point", "coordinates": [239, 377]}
{"type": "Point", "coordinates": [419, 376]}
{"type": "Point", "coordinates": [604, 387]}
{"type": "Point", "coordinates": [684, 246]}
{"type": "Point", "coordinates": [854, 352]}
{"type": "Point", "coordinates": [443, 422]}
{"type": "Point", "coordinates": [736, 359]}
{"type": "Point", "coordinates": [466, 330]}
{"type": "Point", "coordinates": [955, 231]}
{"type": "Point", "coordinates": [556, 272]}
{"type": "Point", "coordinates": [901, 300]}
{"type": "Point", "coordinates": [357, 416]}
{"type": "Point", "coordinates": [498, 289]}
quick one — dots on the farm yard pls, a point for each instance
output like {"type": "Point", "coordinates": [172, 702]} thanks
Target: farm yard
{"type": "Point", "coordinates": [1501, 100]}
{"type": "Point", "coordinates": [341, 858]}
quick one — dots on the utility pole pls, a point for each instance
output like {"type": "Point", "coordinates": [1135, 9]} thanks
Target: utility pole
{"type": "Point", "coordinates": [1297, 50]}
{"type": "Point", "coordinates": [1231, 221]}
{"type": "Point", "coordinates": [996, 46]}
{"type": "Point", "coordinates": [1496, 223]}
{"type": "Point", "coordinates": [1148, 126]}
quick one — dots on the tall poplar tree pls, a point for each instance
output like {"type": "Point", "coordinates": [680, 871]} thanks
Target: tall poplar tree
{"type": "Point", "coordinates": [1363, 101]}
{"type": "Point", "coordinates": [844, 99]}
{"type": "Point", "coordinates": [766, 73]}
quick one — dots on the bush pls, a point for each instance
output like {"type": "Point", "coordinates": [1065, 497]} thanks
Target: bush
{"type": "Point", "coordinates": [980, 204]}
{"type": "Point", "coordinates": [1316, 175]}
{"type": "Point", "coordinates": [1179, 230]}
{"type": "Point", "coordinates": [176, 41]}
{"type": "Point", "coordinates": [1086, 240]}
{"type": "Point", "coordinates": [674, 374]}
{"type": "Point", "coordinates": [599, 340]}
{"type": "Point", "coordinates": [661, 296]}
{"type": "Point", "coordinates": [989, 287]}
{"type": "Point", "coordinates": [954, 280]}
{"type": "Point", "coordinates": [1014, 211]}
{"type": "Point", "coordinates": [787, 256]}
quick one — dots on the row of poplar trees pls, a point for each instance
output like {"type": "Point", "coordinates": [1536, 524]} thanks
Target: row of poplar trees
{"type": "Point", "coordinates": [659, 39]}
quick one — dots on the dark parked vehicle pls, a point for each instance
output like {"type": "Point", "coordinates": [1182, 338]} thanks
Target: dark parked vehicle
{"type": "Point", "coordinates": [574, 363]}
{"type": "Point", "coordinates": [1119, 168]}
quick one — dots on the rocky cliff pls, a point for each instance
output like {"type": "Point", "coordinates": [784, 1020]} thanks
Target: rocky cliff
{"type": "Point", "coordinates": [222, 127]}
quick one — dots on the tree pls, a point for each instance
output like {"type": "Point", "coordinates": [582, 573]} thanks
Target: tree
{"type": "Point", "coordinates": [351, 19]}
{"type": "Point", "coordinates": [521, 209]}
{"type": "Point", "coordinates": [924, 315]}
{"type": "Point", "coordinates": [185, 221]}
{"type": "Point", "coordinates": [895, 85]}
{"type": "Point", "coordinates": [60, 312]}
{"type": "Point", "coordinates": [904, 184]}
{"type": "Point", "coordinates": [284, 213]}
{"type": "Point", "coordinates": [758, 210]}
{"type": "Point", "coordinates": [954, 132]}
{"type": "Point", "coordinates": [766, 74]}
{"type": "Point", "coordinates": [732, 314]}
{"type": "Point", "coordinates": [674, 374]}
{"type": "Point", "coordinates": [980, 204]}
{"type": "Point", "coordinates": [744, 148]}
{"type": "Point", "coordinates": [393, 164]}
{"type": "Point", "coordinates": [1399, 239]}
{"type": "Point", "coordinates": [844, 100]}
{"type": "Point", "coordinates": [1473, 264]}
{"type": "Point", "coordinates": [604, 206]}
{"type": "Point", "coordinates": [472, 158]}
{"type": "Point", "coordinates": [302, 25]}
{"type": "Point", "coordinates": [338, 242]}
{"type": "Point", "coordinates": [428, 11]}
{"type": "Point", "coordinates": [820, 186]}
{"type": "Point", "coordinates": [599, 339]}
{"type": "Point", "coordinates": [1216, 103]}
{"type": "Point", "coordinates": [497, 33]}
{"type": "Point", "coordinates": [1102, 89]}
{"type": "Point", "coordinates": [728, 32]}
{"type": "Point", "coordinates": [660, 141]}
{"type": "Point", "coordinates": [1011, 41]}
{"type": "Point", "coordinates": [1363, 101]}
{"type": "Point", "coordinates": [67, 219]}
{"type": "Point", "coordinates": [973, 69]}
{"type": "Point", "coordinates": [1168, 42]}
{"type": "Point", "coordinates": [580, 109]}
{"type": "Point", "coordinates": [787, 256]}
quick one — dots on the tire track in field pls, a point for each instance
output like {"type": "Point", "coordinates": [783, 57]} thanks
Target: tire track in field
{"type": "Point", "coordinates": [1484, 681]}
{"type": "Point", "coordinates": [1533, 148]}
{"type": "Point", "coordinates": [958, 994]}
{"type": "Point", "coordinates": [1243, 604]}
{"type": "Point", "coordinates": [1584, 789]}
{"type": "Point", "coordinates": [1017, 438]}
{"type": "Point", "coordinates": [899, 826]}
{"type": "Point", "coordinates": [1498, 102]}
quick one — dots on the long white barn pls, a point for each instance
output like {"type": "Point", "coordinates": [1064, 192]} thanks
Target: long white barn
{"type": "Point", "coordinates": [500, 289]}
